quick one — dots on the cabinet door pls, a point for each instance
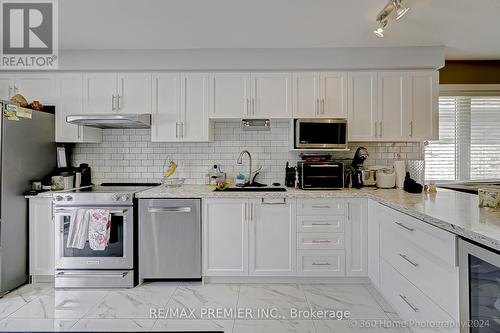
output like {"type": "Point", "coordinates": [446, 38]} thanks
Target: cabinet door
{"type": "Point", "coordinates": [230, 95]}
{"type": "Point", "coordinates": [166, 107]}
{"type": "Point", "coordinates": [134, 93]}
{"type": "Point", "coordinates": [272, 237]}
{"type": "Point", "coordinates": [373, 243]}
{"type": "Point", "coordinates": [69, 90]}
{"type": "Point", "coordinates": [100, 93]}
{"type": "Point", "coordinates": [36, 87]}
{"type": "Point", "coordinates": [306, 95]}
{"type": "Point", "coordinates": [392, 103]}
{"type": "Point", "coordinates": [422, 122]}
{"type": "Point", "coordinates": [225, 237]}
{"type": "Point", "coordinates": [356, 237]}
{"type": "Point", "coordinates": [41, 237]}
{"type": "Point", "coordinates": [194, 107]}
{"type": "Point", "coordinates": [333, 100]}
{"type": "Point", "coordinates": [272, 95]}
{"type": "Point", "coordinates": [362, 105]}
{"type": "Point", "coordinates": [6, 87]}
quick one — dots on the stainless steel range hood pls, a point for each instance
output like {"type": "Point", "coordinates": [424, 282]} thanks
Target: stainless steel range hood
{"type": "Point", "coordinates": [111, 120]}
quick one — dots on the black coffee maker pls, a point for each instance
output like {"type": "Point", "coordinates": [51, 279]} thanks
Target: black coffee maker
{"type": "Point", "coordinates": [356, 170]}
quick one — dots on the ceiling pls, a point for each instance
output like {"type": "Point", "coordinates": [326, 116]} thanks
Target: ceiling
{"type": "Point", "coordinates": [469, 29]}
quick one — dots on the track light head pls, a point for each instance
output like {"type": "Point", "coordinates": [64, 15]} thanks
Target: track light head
{"type": "Point", "coordinates": [379, 32]}
{"type": "Point", "coordinates": [400, 9]}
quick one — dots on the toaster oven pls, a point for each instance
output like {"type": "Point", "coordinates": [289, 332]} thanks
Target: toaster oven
{"type": "Point", "coordinates": [321, 175]}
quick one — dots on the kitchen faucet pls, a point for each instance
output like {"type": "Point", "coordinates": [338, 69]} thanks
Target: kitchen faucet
{"type": "Point", "coordinates": [240, 161]}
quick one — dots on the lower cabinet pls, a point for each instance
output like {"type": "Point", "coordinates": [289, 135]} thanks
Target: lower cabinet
{"type": "Point", "coordinates": [225, 237]}
{"type": "Point", "coordinates": [41, 239]}
{"type": "Point", "coordinates": [356, 237]}
{"type": "Point", "coordinates": [272, 237]}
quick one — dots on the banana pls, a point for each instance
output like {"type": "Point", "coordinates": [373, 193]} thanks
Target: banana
{"type": "Point", "coordinates": [171, 169]}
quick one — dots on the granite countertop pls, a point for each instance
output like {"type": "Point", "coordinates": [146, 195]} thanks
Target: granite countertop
{"type": "Point", "coordinates": [453, 211]}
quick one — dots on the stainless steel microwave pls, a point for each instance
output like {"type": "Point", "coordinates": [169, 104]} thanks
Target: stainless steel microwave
{"type": "Point", "coordinates": [326, 133]}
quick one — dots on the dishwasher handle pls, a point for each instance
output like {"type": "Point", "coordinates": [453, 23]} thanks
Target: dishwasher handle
{"type": "Point", "coordinates": [169, 210]}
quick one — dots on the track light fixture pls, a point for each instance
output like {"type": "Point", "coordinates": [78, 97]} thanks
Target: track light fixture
{"type": "Point", "coordinates": [393, 6]}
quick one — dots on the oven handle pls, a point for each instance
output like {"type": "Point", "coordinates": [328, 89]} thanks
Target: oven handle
{"type": "Point", "coordinates": [169, 210]}
{"type": "Point", "coordinates": [67, 211]}
{"type": "Point", "coordinates": [90, 275]}
{"type": "Point", "coordinates": [323, 166]}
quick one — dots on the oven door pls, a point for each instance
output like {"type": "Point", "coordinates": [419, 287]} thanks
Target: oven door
{"type": "Point", "coordinates": [479, 288]}
{"type": "Point", "coordinates": [117, 255]}
{"type": "Point", "coordinates": [322, 176]}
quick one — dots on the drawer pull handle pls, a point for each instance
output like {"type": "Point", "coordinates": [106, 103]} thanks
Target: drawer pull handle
{"type": "Point", "coordinates": [316, 223]}
{"type": "Point", "coordinates": [404, 227]}
{"type": "Point", "coordinates": [321, 264]}
{"type": "Point", "coordinates": [321, 207]}
{"type": "Point", "coordinates": [404, 298]}
{"type": "Point", "coordinates": [321, 241]}
{"type": "Point", "coordinates": [405, 257]}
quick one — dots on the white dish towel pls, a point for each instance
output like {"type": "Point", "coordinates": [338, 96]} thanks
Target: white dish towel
{"type": "Point", "coordinates": [99, 228]}
{"type": "Point", "coordinates": [78, 229]}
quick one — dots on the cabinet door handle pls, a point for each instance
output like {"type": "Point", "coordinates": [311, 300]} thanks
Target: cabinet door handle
{"type": "Point", "coordinates": [320, 207]}
{"type": "Point", "coordinates": [317, 223]}
{"type": "Point", "coordinates": [376, 132]}
{"type": "Point", "coordinates": [323, 106]}
{"type": "Point", "coordinates": [380, 124]}
{"type": "Point", "coordinates": [404, 298]}
{"type": "Point", "coordinates": [245, 212]}
{"type": "Point", "coordinates": [405, 257]}
{"type": "Point", "coordinates": [79, 132]}
{"type": "Point", "coordinates": [118, 97]}
{"type": "Point", "coordinates": [348, 211]}
{"type": "Point", "coordinates": [404, 227]}
{"type": "Point", "coordinates": [265, 202]}
{"type": "Point", "coordinates": [176, 130]}
{"type": "Point", "coordinates": [253, 106]}
{"type": "Point", "coordinates": [321, 264]}
{"type": "Point", "coordinates": [321, 241]}
{"type": "Point", "coordinates": [113, 102]}
{"type": "Point", "coordinates": [248, 107]}
{"type": "Point", "coordinates": [411, 129]}
{"type": "Point", "coordinates": [182, 129]}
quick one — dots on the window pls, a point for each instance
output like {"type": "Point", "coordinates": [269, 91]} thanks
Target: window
{"type": "Point", "coordinates": [469, 140]}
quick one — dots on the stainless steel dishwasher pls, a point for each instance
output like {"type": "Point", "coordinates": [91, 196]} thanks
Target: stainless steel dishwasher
{"type": "Point", "coordinates": [169, 239]}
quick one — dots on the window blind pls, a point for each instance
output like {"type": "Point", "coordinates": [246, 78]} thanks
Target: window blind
{"type": "Point", "coordinates": [469, 140]}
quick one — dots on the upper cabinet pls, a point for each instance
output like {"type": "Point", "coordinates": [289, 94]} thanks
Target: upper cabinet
{"type": "Point", "coordinates": [318, 95]}
{"type": "Point", "coordinates": [69, 91]}
{"type": "Point", "coordinates": [117, 93]}
{"type": "Point", "coordinates": [251, 95]}
{"type": "Point", "coordinates": [180, 111]}
{"type": "Point", "coordinates": [393, 106]}
{"type": "Point", "coordinates": [33, 86]}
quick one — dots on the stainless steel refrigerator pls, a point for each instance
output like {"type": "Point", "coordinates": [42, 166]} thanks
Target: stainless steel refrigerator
{"type": "Point", "coordinates": [28, 152]}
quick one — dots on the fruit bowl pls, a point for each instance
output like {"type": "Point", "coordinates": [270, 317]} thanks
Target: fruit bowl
{"type": "Point", "coordinates": [172, 182]}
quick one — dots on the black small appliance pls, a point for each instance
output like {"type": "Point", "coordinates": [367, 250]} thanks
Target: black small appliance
{"type": "Point", "coordinates": [356, 171]}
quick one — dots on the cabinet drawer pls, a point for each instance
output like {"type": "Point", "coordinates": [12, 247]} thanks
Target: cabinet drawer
{"type": "Point", "coordinates": [423, 235]}
{"type": "Point", "coordinates": [417, 266]}
{"type": "Point", "coordinates": [319, 223]}
{"type": "Point", "coordinates": [321, 263]}
{"type": "Point", "coordinates": [409, 302]}
{"type": "Point", "coordinates": [320, 241]}
{"type": "Point", "coordinates": [320, 207]}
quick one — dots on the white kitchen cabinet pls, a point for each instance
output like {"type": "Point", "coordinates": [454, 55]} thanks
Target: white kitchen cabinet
{"type": "Point", "coordinates": [99, 93]}
{"type": "Point", "coordinates": [225, 237]}
{"type": "Point", "coordinates": [41, 239]}
{"type": "Point", "coordinates": [421, 121]}
{"type": "Point", "coordinates": [356, 237]}
{"type": "Point", "coordinates": [333, 94]}
{"type": "Point", "coordinates": [117, 93]}
{"type": "Point", "coordinates": [374, 243]}
{"type": "Point", "coordinates": [251, 95]}
{"type": "Point", "coordinates": [69, 92]}
{"type": "Point", "coordinates": [166, 107]}
{"type": "Point", "coordinates": [362, 106]}
{"type": "Point", "coordinates": [306, 93]}
{"type": "Point", "coordinates": [230, 95]}
{"type": "Point", "coordinates": [393, 101]}
{"type": "Point", "coordinates": [134, 93]}
{"type": "Point", "coordinates": [6, 87]}
{"type": "Point", "coordinates": [272, 237]}
{"type": "Point", "coordinates": [180, 111]}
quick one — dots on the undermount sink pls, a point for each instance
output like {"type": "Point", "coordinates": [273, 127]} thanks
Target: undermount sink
{"type": "Point", "coordinates": [252, 189]}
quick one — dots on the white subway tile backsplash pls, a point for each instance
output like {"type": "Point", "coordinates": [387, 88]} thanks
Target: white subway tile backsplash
{"type": "Point", "coordinates": [130, 156]}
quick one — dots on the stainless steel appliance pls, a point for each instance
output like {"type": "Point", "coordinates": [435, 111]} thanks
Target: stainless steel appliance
{"type": "Point", "coordinates": [111, 267]}
{"type": "Point", "coordinates": [356, 170]}
{"type": "Point", "coordinates": [321, 175]}
{"type": "Point", "coordinates": [479, 275]}
{"type": "Point", "coordinates": [169, 239]}
{"type": "Point", "coordinates": [112, 120]}
{"type": "Point", "coordinates": [315, 133]}
{"type": "Point", "coordinates": [28, 151]}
